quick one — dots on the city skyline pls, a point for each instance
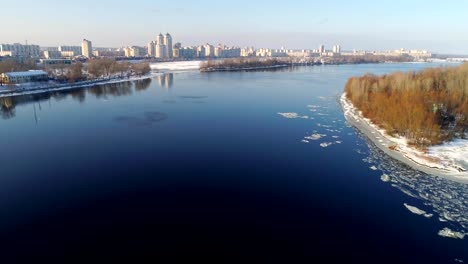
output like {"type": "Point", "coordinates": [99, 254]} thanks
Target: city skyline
{"type": "Point", "coordinates": [297, 25]}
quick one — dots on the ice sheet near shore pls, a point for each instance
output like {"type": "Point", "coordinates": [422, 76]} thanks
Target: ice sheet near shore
{"type": "Point", "coordinates": [176, 66]}
{"type": "Point", "coordinates": [450, 157]}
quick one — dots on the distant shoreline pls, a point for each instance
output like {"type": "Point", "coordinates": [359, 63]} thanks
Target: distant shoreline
{"type": "Point", "coordinates": [224, 69]}
{"type": "Point", "coordinates": [84, 84]}
{"type": "Point", "coordinates": [383, 142]}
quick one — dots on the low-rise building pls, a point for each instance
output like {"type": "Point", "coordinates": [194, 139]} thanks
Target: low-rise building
{"type": "Point", "coordinates": [51, 54]}
{"type": "Point", "coordinates": [23, 77]}
{"type": "Point", "coordinates": [56, 61]}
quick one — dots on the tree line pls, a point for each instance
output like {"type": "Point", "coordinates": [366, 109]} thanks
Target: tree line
{"type": "Point", "coordinates": [427, 107]}
{"type": "Point", "coordinates": [239, 63]}
{"type": "Point", "coordinates": [97, 68]}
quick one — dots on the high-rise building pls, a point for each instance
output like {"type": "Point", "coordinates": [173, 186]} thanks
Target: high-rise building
{"type": "Point", "coordinates": [168, 45]}
{"type": "Point", "coordinates": [321, 49]}
{"type": "Point", "coordinates": [337, 49]}
{"type": "Point", "coordinates": [209, 50]}
{"type": "Point", "coordinates": [151, 49]}
{"type": "Point", "coordinates": [87, 48]}
{"type": "Point", "coordinates": [160, 48]}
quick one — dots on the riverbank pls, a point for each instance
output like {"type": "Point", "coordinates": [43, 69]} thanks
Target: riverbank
{"type": "Point", "coordinates": [68, 86]}
{"type": "Point", "coordinates": [447, 160]}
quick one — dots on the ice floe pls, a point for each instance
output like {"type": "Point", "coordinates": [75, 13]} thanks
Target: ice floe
{"type": "Point", "coordinates": [447, 232]}
{"type": "Point", "coordinates": [447, 199]}
{"type": "Point", "coordinates": [417, 211]}
{"type": "Point", "coordinates": [385, 178]}
{"type": "Point", "coordinates": [326, 144]}
{"type": "Point", "coordinates": [315, 136]}
{"type": "Point", "coordinates": [292, 115]}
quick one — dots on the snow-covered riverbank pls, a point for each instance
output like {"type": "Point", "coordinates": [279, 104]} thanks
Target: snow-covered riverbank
{"type": "Point", "coordinates": [449, 160]}
{"type": "Point", "coordinates": [37, 90]}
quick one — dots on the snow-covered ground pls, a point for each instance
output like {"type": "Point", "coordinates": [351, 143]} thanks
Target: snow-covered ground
{"type": "Point", "coordinates": [448, 159]}
{"type": "Point", "coordinates": [176, 66]}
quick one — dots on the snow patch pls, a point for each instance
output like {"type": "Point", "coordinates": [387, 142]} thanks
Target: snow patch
{"type": "Point", "coordinates": [176, 66]}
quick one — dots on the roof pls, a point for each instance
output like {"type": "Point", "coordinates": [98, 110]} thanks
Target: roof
{"type": "Point", "coordinates": [26, 73]}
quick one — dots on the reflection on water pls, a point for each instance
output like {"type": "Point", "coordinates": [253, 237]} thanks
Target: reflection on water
{"type": "Point", "coordinates": [166, 80]}
{"type": "Point", "coordinates": [8, 104]}
{"type": "Point", "coordinates": [7, 108]}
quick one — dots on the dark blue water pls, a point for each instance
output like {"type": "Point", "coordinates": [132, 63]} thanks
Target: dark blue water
{"type": "Point", "coordinates": [192, 166]}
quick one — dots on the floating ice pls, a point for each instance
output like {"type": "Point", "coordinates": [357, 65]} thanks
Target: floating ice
{"type": "Point", "coordinates": [373, 168]}
{"type": "Point", "coordinates": [326, 144]}
{"type": "Point", "coordinates": [292, 115]}
{"type": "Point", "coordinates": [447, 232]}
{"type": "Point", "coordinates": [385, 178]}
{"type": "Point", "coordinates": [338, 142]}
{"type": "Point", "coordinates": [315, 136]}
{"type": "Point", "coordinates": [313, 106]}
{"type": "Point", "coordinates": [417, 211]}
{"type": "Point", "coordinates": [305, 141]}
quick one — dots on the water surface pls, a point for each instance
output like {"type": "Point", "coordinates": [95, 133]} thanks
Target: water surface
{"type": "Point", "coordinates": [202, 166]}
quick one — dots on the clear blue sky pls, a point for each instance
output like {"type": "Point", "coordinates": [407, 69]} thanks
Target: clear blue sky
{"type": "Point", "coordinates": [440, 26]}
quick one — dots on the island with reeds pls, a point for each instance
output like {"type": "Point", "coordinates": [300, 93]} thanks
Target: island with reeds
{"type": "Point", "coordinates": [421, 115]}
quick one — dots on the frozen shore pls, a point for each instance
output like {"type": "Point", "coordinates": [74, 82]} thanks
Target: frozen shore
{"type": "Point", "coordinates": [37, 90]}
{"type": "Point", "coordinates": [448, 160]}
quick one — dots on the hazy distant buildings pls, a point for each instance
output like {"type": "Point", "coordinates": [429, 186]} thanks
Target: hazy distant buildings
{"type": "Point", "coordinates": [247, 52]}
{"type": "Point", "coordinates": [21, 50]}
{"type": "Point", "coordinates": [69, 51]}
{"type": "Point", "coordinates": [337, 49]}
{"type": "Point", "coordinates": [321, 49]}
{"type": "Point", "coordinates": [209, 50]}
{"type": "Point", "coordinates": [151, 49]}
{"type": "Point", "coordinates": [188, 53]}
{"type": "Point", "coordinates": [51, 54]}
{"type": "Point", "coordinates": [135, 51]}
{"type": "Point", "coordinates": [87, 48]}
{"type": "Point", "coordinates": [161, 48]}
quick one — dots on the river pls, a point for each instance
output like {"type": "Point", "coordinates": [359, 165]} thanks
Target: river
{"type": "Point", "coordinates": [209, 166]}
